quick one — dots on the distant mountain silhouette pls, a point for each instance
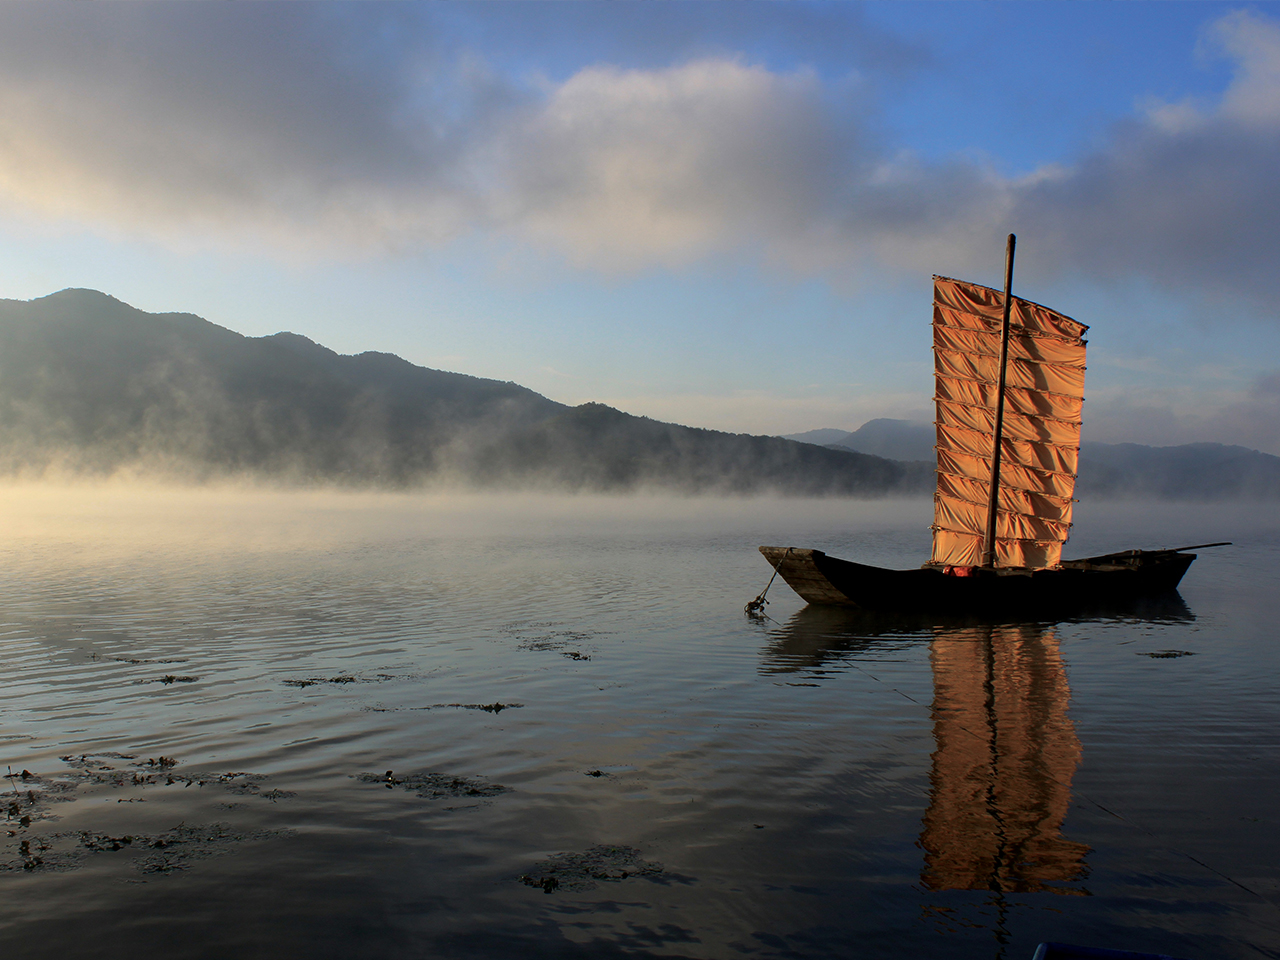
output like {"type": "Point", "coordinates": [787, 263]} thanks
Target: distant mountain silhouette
{"type": "Point", "coordinates": [895, 439]}
{"type": "Point", "coordinates": [1193, 471]}
{"type": "Point", "coordinates": [90, 385]}
{"type": "Point", "coordinates": [822, 437]}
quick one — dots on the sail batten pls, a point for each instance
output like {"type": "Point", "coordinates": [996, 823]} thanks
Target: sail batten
{"type": "Point", "coordinates": [1040, 426]}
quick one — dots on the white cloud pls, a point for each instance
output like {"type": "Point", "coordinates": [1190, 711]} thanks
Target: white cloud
{"type": "Point", "coordinates": [626, 166]}
{"type": "Point", "coordinates": [1254, 43]}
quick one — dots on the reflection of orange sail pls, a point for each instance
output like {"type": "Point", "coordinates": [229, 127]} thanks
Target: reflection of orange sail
{"type": "Point", "coordinates": [1040, 435]}
{"type": "Point", "coordinates": [1006, 753]}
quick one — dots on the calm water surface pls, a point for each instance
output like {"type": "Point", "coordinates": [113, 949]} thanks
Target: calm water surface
{"type": "Point", "coordinates": [592, 752]}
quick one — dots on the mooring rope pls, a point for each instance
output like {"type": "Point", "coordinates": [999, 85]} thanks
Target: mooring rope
{"type": "Point", "coordinates": [755, 608]}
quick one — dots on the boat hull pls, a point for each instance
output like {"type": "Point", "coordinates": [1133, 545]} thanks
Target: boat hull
{"type": "Point", "coordinates": [1077, 584]}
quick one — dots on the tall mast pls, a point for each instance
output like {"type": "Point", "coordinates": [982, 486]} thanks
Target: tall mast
{"type": "Point", "coordinates": [993, 502]}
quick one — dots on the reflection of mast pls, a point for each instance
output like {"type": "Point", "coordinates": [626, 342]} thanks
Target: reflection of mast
{"type": "Point", "coordinates": [1006, 753]}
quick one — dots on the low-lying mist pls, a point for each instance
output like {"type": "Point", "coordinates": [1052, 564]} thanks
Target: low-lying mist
{"type": "Point", "coordinates": [92, 521]}
{"type": "Point", "coordinates": [132, 516]}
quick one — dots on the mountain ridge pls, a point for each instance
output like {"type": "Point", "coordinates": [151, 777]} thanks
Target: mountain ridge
{"type": "Point", "coordinates": [92, 386]}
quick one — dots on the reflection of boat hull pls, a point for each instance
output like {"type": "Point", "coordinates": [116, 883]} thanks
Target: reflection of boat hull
{"type": "Point", "coordinates": [1077, 584]}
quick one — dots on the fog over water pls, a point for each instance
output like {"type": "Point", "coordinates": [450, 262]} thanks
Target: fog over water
{"type": "Point", "coordinates": [207, 687]}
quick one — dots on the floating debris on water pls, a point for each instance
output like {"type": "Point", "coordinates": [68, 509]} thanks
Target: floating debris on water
{"type": "Point", "coordinates": [556, 640]}
{"type": "Point", "coordinates": [537, 636]}
{"type": "Point", "coordinates": [432, 786]}
{"type": "Point", "coordinates": [33, 795]}
{"type": "Point", "coordinates": [163, 853]}
{"type": "Point", "coordinates": [486, 707]}
{"type": "Point", "coordinates": [604, 863]}
{"type": "Point", "coordinates": [168, 679]}
{"type": "Point", "coordinates": [184, 844]}
{"type": "Point", "coordinates": [345, 678]}
{"type": "Point", "coordinates": [312, 681]}
{"type": "Point", "coordinates": [102, 841]}
{"type": "Point", "coordinates": [1168, 654]}
{"type": "Point", "coordinates": [596, 773]}
{"type": "Point", "coordinates": [350, 679]}
{"type": "Point", "coordinates": [30, 799]}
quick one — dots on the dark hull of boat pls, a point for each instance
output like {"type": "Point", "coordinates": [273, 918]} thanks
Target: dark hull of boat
{"type": "Point", "coordinates": [1076, 585]}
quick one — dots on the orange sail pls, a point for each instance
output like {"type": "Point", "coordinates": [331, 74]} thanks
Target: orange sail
{"type": "Point", "coordinates": [1040, 437]}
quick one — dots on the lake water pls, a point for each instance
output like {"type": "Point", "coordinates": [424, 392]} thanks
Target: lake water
{"type": "Point", "coordinates": [594, 753]}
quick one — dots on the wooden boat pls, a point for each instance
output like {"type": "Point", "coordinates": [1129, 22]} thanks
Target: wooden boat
{"type": "Point", "coordinates": [1009, 378]}
{"type": "Point", "coordinates": [1072, 586]}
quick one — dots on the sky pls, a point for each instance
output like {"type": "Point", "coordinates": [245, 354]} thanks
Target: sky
{"type": "Point", "coordinates": [719, 214]}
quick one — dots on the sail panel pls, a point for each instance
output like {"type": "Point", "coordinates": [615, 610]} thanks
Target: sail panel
{"type": "Point", "coordinates": [1016, 425]}
{"type": "Point", "coordinates": [987, 343]}
{"type": "Point", "coordinates": [1030, 553]}
{"type": "Point", "coordinates": [987, 303]}
{"type": "Point", "coordinates": [966, 549]}
{"type": "Point", "coordinates": [961, 320]}
{"type": "Point", "coordinates": [959, 516]}
{"type": "Point", "coordinates": [1061, 379]}
{"type": "Point", "coordinates": [1014, 501]}
{"type": "Point", "coordinates": [1033, 403]}
{"type": "Point", "coordinates": [1014, 526]}
{"type": "Point", "coordinates": [1040, 431]}
{"type": "Point", "coordinates": [961, 549]}
{"type": "Point", "coordinates": [1045, 456]}
{"type": "Point", "coordinates": [953, 524]}
{"type": "Point", "coordinates": [1014, 475]}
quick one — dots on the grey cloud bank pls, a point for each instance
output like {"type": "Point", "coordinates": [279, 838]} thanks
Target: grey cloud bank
{"type": "Point", "coordinates": [323, 128]}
